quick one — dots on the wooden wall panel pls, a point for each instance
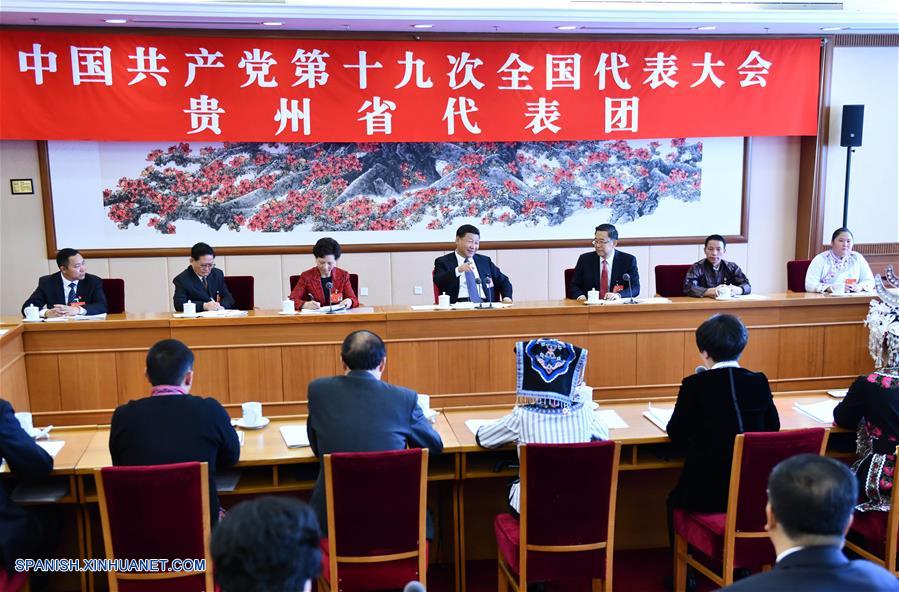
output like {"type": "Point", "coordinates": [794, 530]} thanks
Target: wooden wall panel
{"type": "Point", "coordinates": [255, 374]}
{"type": "Point", "coordinates": [211, 375]}
{"type": "Point", "coordinates": [762, 353]}
{"type": "Point", "coordinates": [413, 364]}
{"type": "Point", "coordinates": [131, 369]}
{"type": "Point", "coordinates": [845, 350]}
{"type": "Point", "coordinates": [660, 358]}
{"type": "Point", "coordinates": [801, 352]}
{"type": "Point", "coordinates": [43, 382]}
{"type": "Point", "coordinates": [88, 381]}
{"type": "Point", "coordinates": [464, 366]}
{"type": "Point", "coordinates": [302, 365]}
{"type": "Point", "coordinates": [611, 360]}
{"type": "Point", "coordinates": [14, 385]}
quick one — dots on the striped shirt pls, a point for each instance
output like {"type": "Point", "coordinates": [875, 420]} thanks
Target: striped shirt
{"type": "Point", "coordinates": [529, 426]}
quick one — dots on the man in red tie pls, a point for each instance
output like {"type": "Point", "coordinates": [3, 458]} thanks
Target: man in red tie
{"type": "Point", "coordinates": [605, 269]}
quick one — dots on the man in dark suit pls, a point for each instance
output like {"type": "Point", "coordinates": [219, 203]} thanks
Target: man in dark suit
{"type": "Point", "coordinates": [810, 504]}
{"type": "Point", "coordinates": [201, 282]}
{"type": "Point", "coordinates": [69, 292]}
{"type": "Point", "coordinates": [358, 412]}
{"type": "Point", "coordinates": [463, 274]}
{"type": "Point", "coordinates": [171, 426]}
{"type": "Point", "coordinates": [25, 533]}
{"type": "Point", "coordinates": [605, 268]}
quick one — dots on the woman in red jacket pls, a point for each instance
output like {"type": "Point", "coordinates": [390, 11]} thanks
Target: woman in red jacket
{"type": "Point", "coordinates": [325, 283]}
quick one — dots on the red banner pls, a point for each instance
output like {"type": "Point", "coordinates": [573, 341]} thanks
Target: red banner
{"type": "Point", "coordinates": [93, 86]}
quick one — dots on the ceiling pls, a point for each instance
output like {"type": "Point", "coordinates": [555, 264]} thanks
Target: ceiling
{"type": "Point", "coordinates": [599, 17]}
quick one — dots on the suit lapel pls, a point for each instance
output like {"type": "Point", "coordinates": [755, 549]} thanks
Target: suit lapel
{"type": "Point", "coordinates": [58, 289]}
{"type": "Point", "coordinates": [315, 287]}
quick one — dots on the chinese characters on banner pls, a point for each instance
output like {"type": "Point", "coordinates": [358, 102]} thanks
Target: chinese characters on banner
{"type": "Point", "coordinates": [143, 87]}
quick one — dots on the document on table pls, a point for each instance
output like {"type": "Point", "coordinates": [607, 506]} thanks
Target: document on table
{"type": "Point", "coordinates": [53, 447]}
{"type": "Point", "coordinates": [612, 420]}
{"type": "Point", "coordinates": [96, 317]}
{"type": "Point", "coordinates": [295, 436]}
{"type": "Point", "coordinates": [44, 492]}
{"type": "Point", "coordinates": [659, 416]}
{"type": "Point", "coordinates": [227, 480]}
{"type": "Point", "coordinates": [821, 411]}
{"type": "Point", "coordinates": [475, 424]}
{"type": "Point", "coordinates": [838, 393]}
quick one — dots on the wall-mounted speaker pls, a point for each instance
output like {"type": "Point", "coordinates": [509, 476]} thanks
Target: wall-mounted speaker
{"type": "Point", "coordinates": [851, 129]}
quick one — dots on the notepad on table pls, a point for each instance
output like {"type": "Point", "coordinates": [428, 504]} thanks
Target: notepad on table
{"type": "Point", "coordinates": [821, 411]}
{"type": "Point", "coordinates": [610, 418]}
{"type": "Point", "coordinates": [475, 424]}
{"type": "Point", "coordinates": [659, 416]}
{"type": "Point", "coordinates": [295, 436]}
{"type": "Point", "coordinates": [227, 480]}
{"type": "Point", "coordinates": [838, 393]}
{"type": "Point", "coordinates": [45, 492]}
{"type": "Point", "coordinates": [53, 447]}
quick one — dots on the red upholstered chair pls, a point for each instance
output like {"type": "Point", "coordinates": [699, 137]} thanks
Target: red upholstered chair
{"type": "Point", "coordinates": [558, 536]}
{"type": "Point", "coordinates": [242, 288]}
{"type": "Point", "coordinates": [18, 582]}
{"type": "Point", "coordinates": [670, 279]}
{"type": "Point", "coordinates": [159, 512]}
{"type": "Point", "coordinates": [114, 289]}
{"type": "Point", "coordinates": [354, 282]}
{"type": "Point", "coordinates": [569, 273]}
{"type": "Point", "coordinates": [738, 539]}
{"type": "Point", "coordinates": [796, 274]}
{"type": "Point", "coordinates": [376, 520]}
{"type": "Point", "coordinates": [873, 535]}
{"type": "Point", "coordinates": [436, 294]}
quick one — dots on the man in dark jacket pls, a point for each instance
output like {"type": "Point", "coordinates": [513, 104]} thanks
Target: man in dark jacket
{"type": "Point", "coordinates": [71, 291]}
{"type": "Point", "coordinates": [202, 283]}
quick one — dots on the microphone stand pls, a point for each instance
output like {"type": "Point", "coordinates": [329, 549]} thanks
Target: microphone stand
{"type": "Point", "coordinates": [488, 283]}
{"type": "Point", "coordinates": [630, 289]}
{"type": "Point", "coordinates": [330, 300]}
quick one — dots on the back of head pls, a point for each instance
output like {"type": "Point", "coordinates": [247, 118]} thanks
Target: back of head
{"type": "Point", "coordinates": [200, 249]}
{"type": "Point", "coordinates": [266, 544]}
{"type": "Point", "coordinates": [723, 337]}
{"type": "Point", "coordinates": [812, 497]}
{"type": "Point", "coordinates": [63, 256]}
{"type": "Point", "coordinates": [363, 350]}
{"type": "Point", "coordinates": [609, 229]}
{"type": "Point", "coordinates": [168, 362]}
{"type": "Point", "coordinates": [467, 229]}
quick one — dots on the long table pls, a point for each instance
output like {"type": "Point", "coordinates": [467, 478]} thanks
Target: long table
{"type": "Point", "coordinates": [77, 372]}
{"type": "Point", "coordinates": [466, 483]}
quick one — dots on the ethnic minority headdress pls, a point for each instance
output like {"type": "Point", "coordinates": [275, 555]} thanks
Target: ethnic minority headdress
{"type": "Point", "coordinates": [883, 325]}
{"type": "Point", "coordinates": [549, 373]}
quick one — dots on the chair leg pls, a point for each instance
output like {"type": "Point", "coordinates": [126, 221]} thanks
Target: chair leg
{"type": "Point", "coordinates": [596, 585]}
{"type": "Point", "coordinates": [322, 585]}
{"type": "Point", "coordinates": [502, 585]}
{"type": "Point", "coordinates": [680, 563]}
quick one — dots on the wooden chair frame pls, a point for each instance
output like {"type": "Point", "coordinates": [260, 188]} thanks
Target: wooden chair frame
{"type": "Point", "coordinates": [505, 575]}
{"type": "Point", "coordinates": [420, 553]}
{"type": "Point", "coordinates": [888, 562]}
{"type": "Point", "coordinates": [114, 577]}
{"type": "Point", "coordinates": [682, 557]}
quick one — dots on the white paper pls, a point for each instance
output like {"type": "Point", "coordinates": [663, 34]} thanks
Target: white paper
{"type": "Point", "coordinates": [653, 300]}
{"type": "Point", "coordinates": [212, 314]}
{"type": "Point", "coordinates": [751, 297]}
{"type": "Point", "coordinates": [425, 307]}
{"type": "Point", "coordinates": [475, 424]}
{"type": "Point", "coordinates": [612, 420]}
{"type": "Point", "coordinates": [295, 436]}
{"type": "Point", "coordinates": [53, 447]}
{"type": "Point", "coordinates": [3, 332]}
{"type": "Point", "coordinates": [821, 411]}
{"type": "Point", "coordinates": [838, 393]}
{"type": "Point", "coordinates": [660, 416]}
{"type": "Point", "coordinates": [87, 317]}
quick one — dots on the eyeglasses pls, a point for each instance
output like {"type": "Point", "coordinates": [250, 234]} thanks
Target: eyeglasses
{"type": "Point", "coordinates": [207, 265]}
{"type": "Point", "coordinates": [596, 243]}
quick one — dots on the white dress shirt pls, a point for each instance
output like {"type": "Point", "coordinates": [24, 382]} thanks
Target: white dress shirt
{"type": "Point", "coordinates": [65, 295]}
{"type": "Point", "coordinates": [463, 285]}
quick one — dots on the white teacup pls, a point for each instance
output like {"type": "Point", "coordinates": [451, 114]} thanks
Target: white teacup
{"type": "Point", "coordinates": [25, 421]}
{"type": "Point", "coordinates": [287, 306]}
{"type": "Point", "coordinates": [593, 296]}
{"type": "Point", "coordinates": [32, 313]}
{"type": "Point", "coordinates": [252, 413]}
{"type": "Point", "coordinates": [725, 292]}
{"type": "Point", "coordinates": [190, 309]}
{"type": "Point", "coordinates": [838, 288]}
{"type": "Point", "coordinates": [443, 301]}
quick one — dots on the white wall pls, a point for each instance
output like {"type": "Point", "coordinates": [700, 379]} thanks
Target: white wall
{"type": "Point", "coordinates": [391, 277]}
{"type": "Point", "coordinates": [866, 76]}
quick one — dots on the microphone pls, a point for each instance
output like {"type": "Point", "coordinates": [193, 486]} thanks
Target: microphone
{"type": "Point", "coordinates": [477, 287]}
{"type": "Point", "coordinates": [700, 369]}
{"type": "Point", "coordinates": [414, 587]}
{"type": "Point", "coordinates": [488, 283]}
{"type": "Point", "coordinates": [627, 277]}
{"type": "Point", "coordinates": [330, 286]}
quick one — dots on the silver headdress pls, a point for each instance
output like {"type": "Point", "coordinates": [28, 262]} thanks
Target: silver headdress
{"type": "Point", "coordinates": [883, 323]}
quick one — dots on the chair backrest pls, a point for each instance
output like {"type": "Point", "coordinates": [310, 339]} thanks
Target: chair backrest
{"type": "Point", "coordinates": [755, 455]}
{"type": "Point", "coordinates": [242, 288]}
{"type": "Point", "coordinates": [568, 274]}
{"type": "Point", "coordinates": [292, 282]}
{"type": "Point", "coordinates": [114, 289]}
{"type": "Point", "coordinates": [670, 279]}
{"type": "Point", "coordinates": [567, 502]}
{"type": "Point", "coordinates": [376, 506]}
{"type": "Point", "coordinates": [159, 512]}
{"type": "Point", "coordinates": [796, 271]}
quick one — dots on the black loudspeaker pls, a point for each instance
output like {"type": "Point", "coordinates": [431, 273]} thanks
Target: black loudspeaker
{"type": "Point", "coordinates": [851, 130]}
